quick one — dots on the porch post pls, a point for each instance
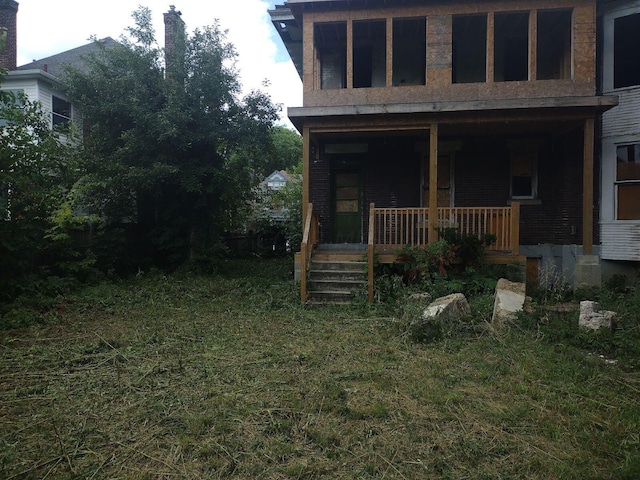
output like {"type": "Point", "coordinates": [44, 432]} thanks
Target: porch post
{"type": "Point", "coordinates": [306, 153]}
{"type": "Point", "coordinates": [433, 183]}
{"type": "Point", "coordinates": [587, 188]}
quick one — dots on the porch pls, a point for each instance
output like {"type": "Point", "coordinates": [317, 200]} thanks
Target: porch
{"type": "Point", "coordinates": [391, 229]}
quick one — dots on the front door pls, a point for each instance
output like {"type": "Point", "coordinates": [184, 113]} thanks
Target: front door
{"type": "Point", "coordinates": [347, 207]}
{"type": "Point", "coordinates": [445, 177]}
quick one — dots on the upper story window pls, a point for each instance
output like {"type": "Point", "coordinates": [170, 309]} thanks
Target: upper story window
{"type": "Point", "coordinates": [469, 55]}
{"type": "Point", "coordinates": [626, 45]}
{"type": "Point", "coordinates": [409, 51]}
{"type": "Point", "coordinates": [511, 47]}
{"type": "Point", "coordinates": [369, 54]}
{"type": "Point", "coordinates": [60, 112]}
{"type": "Point", "coordinates": [553, 45]}
{"type": "Point", "coordinates": [628, 181]}
{"type": "Point", "coordinates": [331, 50]}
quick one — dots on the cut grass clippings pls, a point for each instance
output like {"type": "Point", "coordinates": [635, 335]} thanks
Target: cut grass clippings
{"type": "Point", "coordinates": [227, 376]}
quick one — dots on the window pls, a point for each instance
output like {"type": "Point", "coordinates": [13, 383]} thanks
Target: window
{"type": "Point", "coordinates": [11, 98]}
{"type": "Point", "coordinates": [469, 38]}
{"type": "Point", "coordinates": [61, 112]}
{"type": "Point", "coordinates": [409, 51]}
{"type": "Point", "coordinates": [524, 177]}
{"type": "Point", "coordinates": [511, 47]}
{"type": "Point", "coordinates": [626, 44]}
{"type": "Point", "coordinates": [331, 50]}
{"type": "Point", "coordinates": [369, 54]}
{"type": "Point", "coordinates": [553, 45]}
{"type": "Point", "coordinates": [628, 181]}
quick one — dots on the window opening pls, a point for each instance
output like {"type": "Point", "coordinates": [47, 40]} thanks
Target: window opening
{"type": "Point", "coordinates": [628, 181]}
{"type": "Point", "coordinates": [61, 112]}
{"type": "Point", "coordinates": [626, 44]}
{"type": "Point", "coordinates": [331, 50]}
{"type": "Point", "coordinates": [369, 54]}
{"type": "Point", "coordinates": [469, 44]}
{"type": "Point", "coordinates": [409, 51]}
{"type": "Point", "coordinates": [511, 47]}
{"type": "Point", "coordinates": [553, 45]}
{"type": "Point", "coordinates": [524, 178]}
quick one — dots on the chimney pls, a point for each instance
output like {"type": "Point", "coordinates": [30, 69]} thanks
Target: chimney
{"type": "Point", "coordinates": [9, 30]}
{"type": "Point", "coordinates": [174, 42]}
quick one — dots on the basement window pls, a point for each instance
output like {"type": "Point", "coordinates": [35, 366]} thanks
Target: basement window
{"type": "Point", "coordinates": [331, 50]}
{"type": "Point", "coordinates": [469, 43]}
{"type": "Point", "coordinates": [626, 44]}
{"type": "Point", "coordinates": [524, 177]}
{"type": "Point", "coordinates": [409, 51]}
{"type": "Point", "coordinates": [628, 181]}
{"type": "Point", "coordinates": [369, 54]}
{"type": "Point", "coordinates": [511, 47]}
{"type": "Point", "coordinates": [553, 45]}
{"type": "Point", "coordinates": [60, 112]}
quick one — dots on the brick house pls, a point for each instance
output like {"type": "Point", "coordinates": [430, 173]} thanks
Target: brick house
{"type": "Point", "coordinates": [476, 115]}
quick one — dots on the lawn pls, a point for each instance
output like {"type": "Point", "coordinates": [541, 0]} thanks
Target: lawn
{"type": "Point", "coordinates": [228, 376]}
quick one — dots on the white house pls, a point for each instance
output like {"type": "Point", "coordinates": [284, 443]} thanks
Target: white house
{"type": "Point", "coordinates": [620, 172]}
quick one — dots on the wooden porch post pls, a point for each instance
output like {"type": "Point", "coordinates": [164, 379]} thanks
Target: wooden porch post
{"type": "Point", "coordinates": [306, 153]}
{"type": "Point", "coordinates": [433, 184]}
{"type": "Point", "coordinates": [587, 188]}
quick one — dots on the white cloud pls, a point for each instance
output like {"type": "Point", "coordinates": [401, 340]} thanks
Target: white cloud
{"type": "Point", "coordinates": [48, 27]}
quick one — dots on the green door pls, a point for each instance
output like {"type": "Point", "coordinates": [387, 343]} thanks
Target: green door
{"type": "Point", "coordinates": [347, 207]}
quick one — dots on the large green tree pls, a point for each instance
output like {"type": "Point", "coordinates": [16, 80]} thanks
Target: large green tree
{"type": "Point", "coordinates": [175, 150]}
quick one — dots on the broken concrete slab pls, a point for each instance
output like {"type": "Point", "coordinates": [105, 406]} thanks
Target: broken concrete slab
{"type": "Point", "coordinates": [593, 318]}
{"type": "Point", "coordinates": [429, 326]}
{"type": "Point", "coordinates": [509, 299]}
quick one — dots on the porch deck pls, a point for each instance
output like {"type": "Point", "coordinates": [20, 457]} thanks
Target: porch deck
{"type": "Point", "coordinates": [391, 229]}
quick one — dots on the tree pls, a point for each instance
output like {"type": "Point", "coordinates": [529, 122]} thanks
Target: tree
{"type": "Point", "coordinates": [37, 173]}
{"type": "Point", "coordinates": [285, 152]}
{"type": "Point", "coordinates": [178, 153]}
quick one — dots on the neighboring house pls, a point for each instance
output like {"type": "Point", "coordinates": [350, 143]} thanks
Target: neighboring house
{"type": "Point", "coordinates": [620, 204]}
{"type": "Point", "coordinates": [478, 116]}
{"type": "Point", "coordinates": [40, 80]}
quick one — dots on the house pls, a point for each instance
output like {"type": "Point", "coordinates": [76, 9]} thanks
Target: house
{"type": "Point", "coordinates": [479, 116]}
{"type": "Point", "coordinates": [620, 174]}
{"type": "Point", "coordinates": [40, 80]}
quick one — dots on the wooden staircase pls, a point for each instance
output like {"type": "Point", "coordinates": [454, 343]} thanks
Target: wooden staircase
{"type": "Point", "coordinates": [336, 277]}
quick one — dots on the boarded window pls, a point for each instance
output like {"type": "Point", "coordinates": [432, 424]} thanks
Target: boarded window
{"type": "Point", "coordinates": [409, 51]}
{"type": "Point", "coordinates": [331, 50]}
{"type": "Point", "coordinates": [553, 45]}
{"type": "Point", "coordinates": [369, 54]}
{"type": "Point", "coordinates": [511, 46]}
{"type": "Point", "coordinates": [626, 51]}
{"type": "Point", "coordinates": [524, 178]}
{"type": "Point", "coordinates": [628, 181]}
{"type": "Point", "coordinates": [469, 38]}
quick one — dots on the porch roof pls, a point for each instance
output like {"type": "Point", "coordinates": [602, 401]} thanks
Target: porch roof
{"type": "Point", "coordinates": [524, 109]}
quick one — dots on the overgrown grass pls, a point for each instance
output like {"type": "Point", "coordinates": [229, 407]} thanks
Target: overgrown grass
{"type": "Point", "coordinates": [227, 376]}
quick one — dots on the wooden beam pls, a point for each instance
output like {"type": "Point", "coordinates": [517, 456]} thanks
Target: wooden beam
{"type": "Point", "coordinates": [587, 188]}
{"type": "Point", "coordinates": [306, 154]}
{"type": "Point", "coordinates": [432, 235]}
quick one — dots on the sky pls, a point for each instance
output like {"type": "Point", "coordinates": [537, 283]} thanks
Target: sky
{"type": "Point", "coordinates": [48, 27]}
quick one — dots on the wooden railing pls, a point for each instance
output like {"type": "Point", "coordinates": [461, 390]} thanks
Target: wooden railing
{"type": "Point", "coordinates": [309, 241]}
{"type": "Point", "coordinates": [395, 228]}
{"type": "Point", "coordinates": [371, 250]}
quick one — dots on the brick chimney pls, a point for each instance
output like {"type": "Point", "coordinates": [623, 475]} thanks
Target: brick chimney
{"type": "Point", "coordinates": [174, 38]}
{"type": "Point", "coordinates": [9, 30]}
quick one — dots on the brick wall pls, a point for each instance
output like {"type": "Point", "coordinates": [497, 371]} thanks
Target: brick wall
{"type": "Point", "coordinates": [8, 27]}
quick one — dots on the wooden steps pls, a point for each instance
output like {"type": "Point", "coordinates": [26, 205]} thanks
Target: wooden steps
{"type": "Point", "coordinates": [336, 277]}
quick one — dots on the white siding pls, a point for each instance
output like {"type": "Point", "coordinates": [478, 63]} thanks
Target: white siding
{"type": "Point", "coordinates": [625, 118]}
{"type": "Point", "coordinates": [620, 240]}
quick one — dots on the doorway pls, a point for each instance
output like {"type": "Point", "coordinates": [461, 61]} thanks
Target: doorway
{"type": "Point", "coordinates": [346, 206]}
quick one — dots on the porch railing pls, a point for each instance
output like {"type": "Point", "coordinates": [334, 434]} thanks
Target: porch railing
{"type": "Point", "coordinates": [309, 241]}
{"type": "Point", "coordinates": [395, 228]}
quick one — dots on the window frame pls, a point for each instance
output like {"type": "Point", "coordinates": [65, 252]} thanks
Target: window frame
{"type": "Point", "coordinates": [618, 183]}
{"type": "Point", "coordinates": [534, 175]}
{"type": "Point", "coordinates": [60, 114]}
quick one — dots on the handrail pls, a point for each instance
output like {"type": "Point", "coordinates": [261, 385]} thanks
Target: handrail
{"type": "Point", "coordinates": [395, 228]}
{"type": "Point", "coordinates": [309, 240]}
{"type": "Point", "coordinates": [371, 249]}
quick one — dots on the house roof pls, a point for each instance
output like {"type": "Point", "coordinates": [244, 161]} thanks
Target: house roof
{"type": "Point", "coordinates": [54, 64]}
